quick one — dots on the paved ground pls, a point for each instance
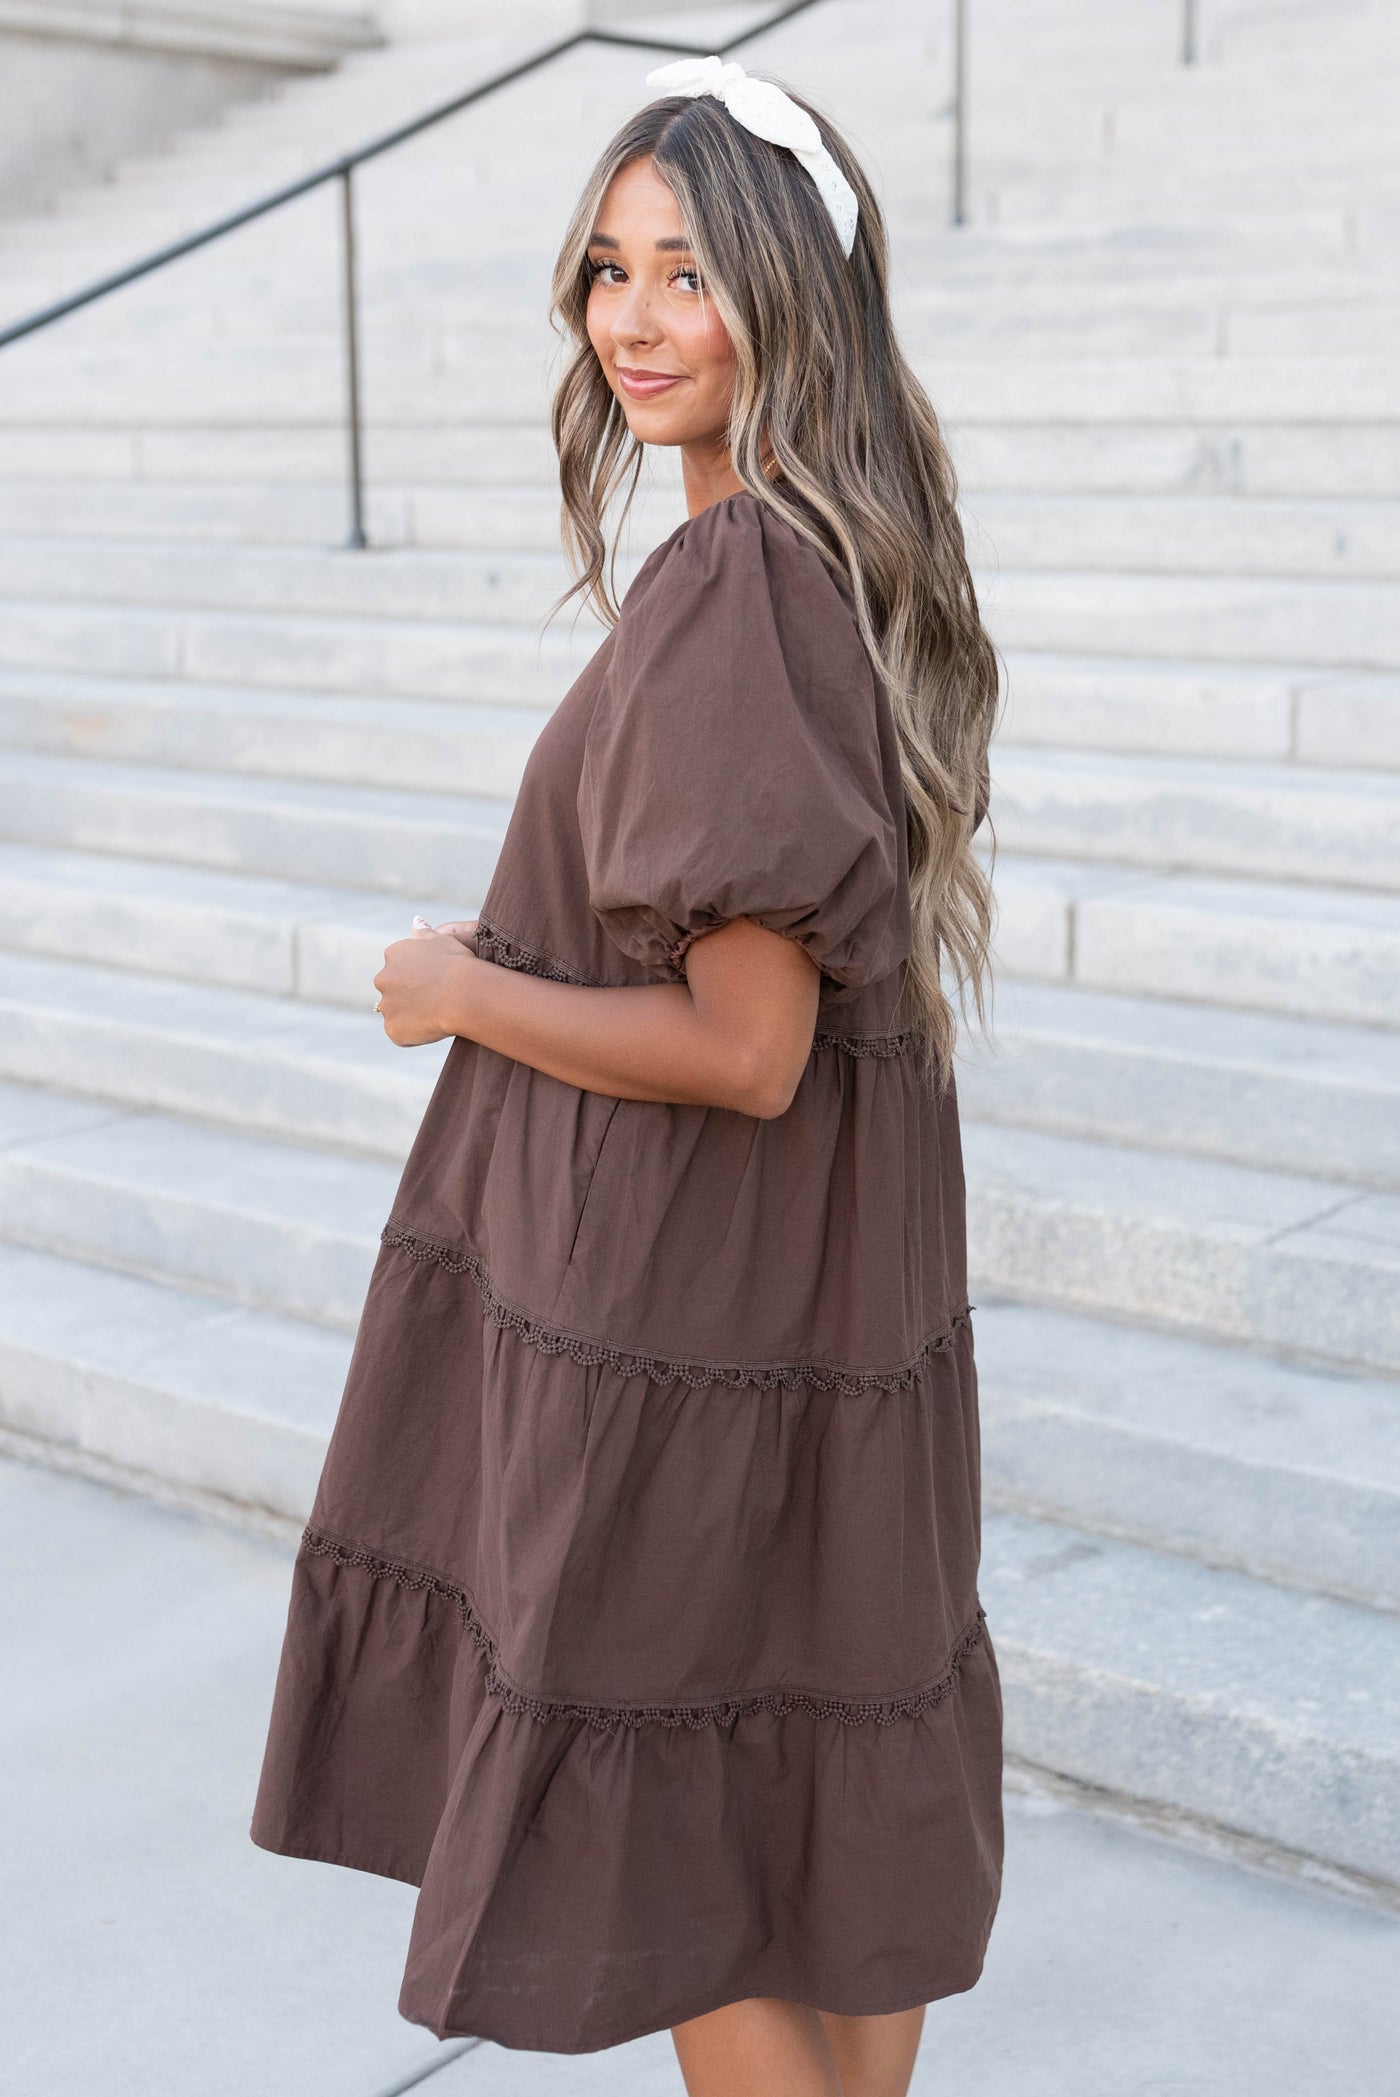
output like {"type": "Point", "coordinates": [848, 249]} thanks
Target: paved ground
{"type": "Point", "coordinates": [149, 1950]}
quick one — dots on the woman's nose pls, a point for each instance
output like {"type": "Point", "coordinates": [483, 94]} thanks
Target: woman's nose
{"type": "Point", "coordinates": [633, 319]}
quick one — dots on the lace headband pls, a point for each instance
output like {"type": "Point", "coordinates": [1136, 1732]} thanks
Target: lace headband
{"type": "Point", "coordinates": [766, 111]}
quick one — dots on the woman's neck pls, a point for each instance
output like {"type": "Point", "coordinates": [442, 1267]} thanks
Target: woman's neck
{"type": "Point", "coordinates": [709, 476]}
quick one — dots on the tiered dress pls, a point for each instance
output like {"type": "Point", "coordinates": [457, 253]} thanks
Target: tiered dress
{"type": "Point", "coordinates": [636, 1620]}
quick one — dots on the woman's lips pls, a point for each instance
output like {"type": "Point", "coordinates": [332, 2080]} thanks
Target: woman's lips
{"type": "Point", "coordinates": [646, 385]}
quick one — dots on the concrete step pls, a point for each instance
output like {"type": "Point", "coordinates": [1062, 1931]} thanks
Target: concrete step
{"type": "Point", "coordinates": [363, 837]}
{"type": "Point", "coordinates": [1199, 1689]}
{"type": "Point", "coordinates": [512, 588]}
{"type": "Point", "coordinates": [1249, 456]}
{"type": "Point", "coordinates": [485, 519]}
{"type": "Point", "coordinates": [1323, 953]}
{"type": "Point", "coordinates": [288, 516]}
{"type": "Point", "coordinates": [257, 456]}
{"type": "Point", "coordinates": [1280, 1470]}
{"type": "Point", "coordinates": [1180, 708]}
{"type": "Point", "coordinates": [337, 739]}
{"type": "Point", "coordinates": [1268, 1259]}
{"type": "Point", "coordinates": [191, 1390]}
{"type": "Point", "coordinates": [279, 938]}
{"type": "Point", "coordinates": [1222, 618]}
{"type": "Point", "coordinates": [1172, 708]}
{"type": "Point", "coordinates": [226, 387]}
{"type": "Point", "coordinates": [1254, 1088]}
{"type": "Point", "coordinates": [1200, 389]}
{"type": "Point", "coordinates": [427, 659]}
{"type": "Point", "coordinates": [1320, 200]}
{"type": "Point", "coordinates": [1351, 721]}
{"type": "Point", "coordinates": [278, 1227]}
{"type": "Point", "coordinates": [1276, 822]}
{"type": "Point", "coordinates": [276, 1067]}
{"type": "Point", "coordinates": [1187, 535]}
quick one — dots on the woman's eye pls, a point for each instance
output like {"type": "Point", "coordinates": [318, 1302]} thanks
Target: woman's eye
{"type": "Point", "coordinates": [691, 275]}
{"type": "Point", "coordinates": [595, 269]}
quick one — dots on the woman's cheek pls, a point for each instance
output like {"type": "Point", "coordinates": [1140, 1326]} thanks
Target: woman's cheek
{"type": "Point", "coordinates": [597, 334]}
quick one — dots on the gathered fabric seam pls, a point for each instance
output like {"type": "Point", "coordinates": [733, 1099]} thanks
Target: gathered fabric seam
{"type": "Point", "coordinates": [593, 1353]}
{"type": "Point", "coordinates": [507, 952]}
{"type": "Point", "coordinates": [850, 1710]}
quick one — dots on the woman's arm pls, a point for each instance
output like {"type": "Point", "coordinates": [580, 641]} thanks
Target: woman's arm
{"type": "Point", "coordinates": [737, 1033]}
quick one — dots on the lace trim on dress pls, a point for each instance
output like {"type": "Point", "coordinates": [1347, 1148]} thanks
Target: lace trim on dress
{"type": "Point", "coordinates": [492, 945]}
{"type": "Point", "coordinates": [851, 1711]}
{"type": "Point", "coordinates": [590, 1353]}
{"type": "Point", "coordinates": [868, 1044]}
{"type": "Point", "coordinates": [506, 952]}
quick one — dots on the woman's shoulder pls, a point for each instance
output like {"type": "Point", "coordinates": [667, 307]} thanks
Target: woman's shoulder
{"type": "Point", "coordinates": [738, 547]}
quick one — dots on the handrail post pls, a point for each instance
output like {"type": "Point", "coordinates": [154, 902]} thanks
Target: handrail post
{"type": "Point", "coordinates": [1190, 41]}
{"type": "Point", "coordinates": [959, 112]}
{"type": "Point", "coordinates": [356, 538]}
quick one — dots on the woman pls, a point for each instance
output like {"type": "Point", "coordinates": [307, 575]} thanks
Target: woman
{"type": "Point", "coordinates": [636, 1620]}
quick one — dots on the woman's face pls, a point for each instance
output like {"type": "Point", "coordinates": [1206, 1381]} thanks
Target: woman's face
{"type": "Point", "coordinates": [666, 352]}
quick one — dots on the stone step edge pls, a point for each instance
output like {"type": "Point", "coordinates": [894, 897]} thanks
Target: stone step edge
{"type": "Point", "coordinates": [1083, 1524]}
{"type": "Point", "coordinates": [1197, 1832]}
{"type": "Point", "coordinates": [244, 1516]}
{"type": "Point", "coordinates": [124, 1413]}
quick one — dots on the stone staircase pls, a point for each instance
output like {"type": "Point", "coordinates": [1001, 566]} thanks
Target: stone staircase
{"type": "Point", "coordinates": [234, 759]}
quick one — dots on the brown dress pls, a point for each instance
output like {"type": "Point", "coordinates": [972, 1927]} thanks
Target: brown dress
{"type": "Point", "coordinates": [637, 1618]}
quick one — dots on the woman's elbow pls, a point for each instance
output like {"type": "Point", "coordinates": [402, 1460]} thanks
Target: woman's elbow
{"type": "Point", "coordinates": [766, 1084]}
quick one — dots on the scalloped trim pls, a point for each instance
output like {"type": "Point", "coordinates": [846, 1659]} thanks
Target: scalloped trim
{"type": "Point", "coordinates": [869, 1044]}
{"type": "Point", "coordinates": [590, 1353]}
{"type": "Point", "coordinates": [850, 1711]}
{"type": "Point", "coordinates": [493, 945]}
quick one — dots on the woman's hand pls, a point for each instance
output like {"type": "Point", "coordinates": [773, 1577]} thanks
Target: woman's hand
{"type": "Point", "coordinates": [422, 987]}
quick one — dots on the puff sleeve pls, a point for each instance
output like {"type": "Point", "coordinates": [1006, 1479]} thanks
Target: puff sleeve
{"type": "Point", "coordinates": [741, 759]}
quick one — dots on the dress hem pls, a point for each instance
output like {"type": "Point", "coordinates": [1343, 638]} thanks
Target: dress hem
{"type": "Point", "coordinates": [646, 2031]}
{"type": "Point", "coordinates": [497, 2036]}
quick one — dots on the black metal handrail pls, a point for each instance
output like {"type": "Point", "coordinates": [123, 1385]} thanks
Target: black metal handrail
{"type": "Point", "coordinates": [1190, 32]}
{"type": "Point", "coordinates": [342, 170]}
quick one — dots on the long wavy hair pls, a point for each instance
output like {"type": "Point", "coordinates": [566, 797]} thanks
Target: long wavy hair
{"type": "Point", "coordinates": [856, 463]}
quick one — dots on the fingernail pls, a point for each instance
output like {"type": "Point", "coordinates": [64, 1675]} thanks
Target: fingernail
{"type": "Point", "coordinates": [423, 922]}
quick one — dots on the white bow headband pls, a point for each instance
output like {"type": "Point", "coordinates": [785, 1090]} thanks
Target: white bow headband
{"type": "Point", "coordinates": [766, 111]}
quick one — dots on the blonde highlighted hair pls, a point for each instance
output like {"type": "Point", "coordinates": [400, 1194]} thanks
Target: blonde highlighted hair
{"type": "Point", "coordinates": [855, 462]}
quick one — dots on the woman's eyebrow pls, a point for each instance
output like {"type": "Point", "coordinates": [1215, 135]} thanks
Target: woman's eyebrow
{"type": "Point", "coordinates": [675, 244]}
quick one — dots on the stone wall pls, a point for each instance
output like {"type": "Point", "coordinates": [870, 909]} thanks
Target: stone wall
{"type": "Point", "coordinates": [84, 81]}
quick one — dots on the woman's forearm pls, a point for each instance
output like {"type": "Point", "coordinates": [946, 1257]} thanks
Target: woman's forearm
{"type": "Point", "coordinates": [650, 1043]}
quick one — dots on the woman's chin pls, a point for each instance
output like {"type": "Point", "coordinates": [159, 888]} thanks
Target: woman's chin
{"type": "Point", "coordinates": [650, 424]}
